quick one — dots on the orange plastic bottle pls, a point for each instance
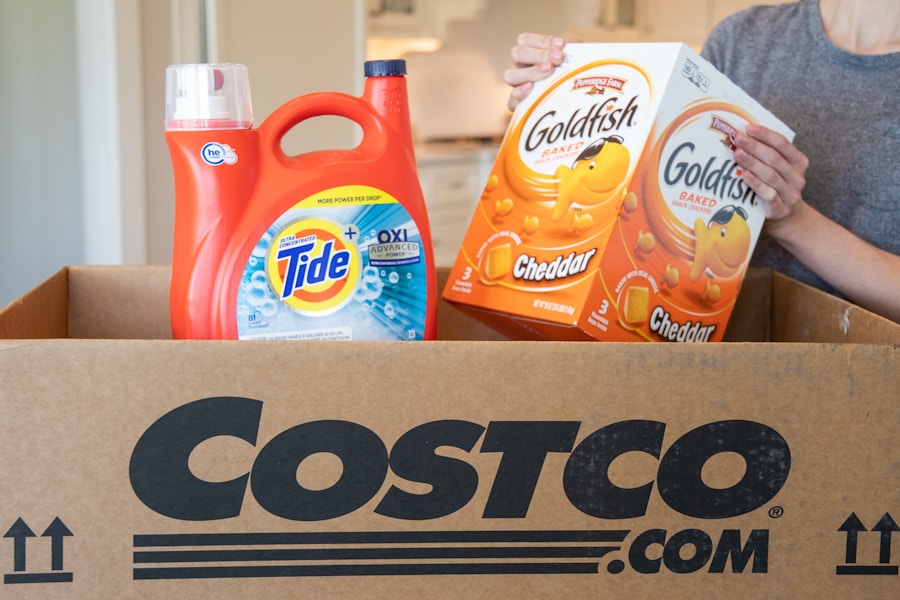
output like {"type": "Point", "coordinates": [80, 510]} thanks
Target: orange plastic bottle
{"type": "Point", "coordinates": [330, 244]}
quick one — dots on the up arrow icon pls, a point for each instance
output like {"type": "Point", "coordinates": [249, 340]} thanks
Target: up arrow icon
{"type": "Point", "coordinates": [886, 526]}
{"type": "Point", "coordinates": [19, 532]}
{"type": "Point", "coordinates": [852, 526]}
{"type": "Point", "coordinates": [57, 531]}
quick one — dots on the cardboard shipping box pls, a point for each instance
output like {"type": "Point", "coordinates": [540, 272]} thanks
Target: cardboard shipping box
{"type": "Point", "coordinates": [134, 466]}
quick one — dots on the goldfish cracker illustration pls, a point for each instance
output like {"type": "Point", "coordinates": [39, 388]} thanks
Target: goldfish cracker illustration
{"type": "Point", "coordinates": [670, 276]}
{"type": "Point", "coordinates": [722, 245]}
{"type": "Point", "coordinates": [597, 174]}
{"type": "Point", "coordinates": [645, 242]}
{"type": "Point", "coordinates": [630, 220]}
{"type": "Point", "coordinates": [581, 222]}
{"type": "Point", "coordinates": [712, 293]}
{"type": "Point", "coordinates": [504, 207]}
{"type": "Point", "coordinates": [629, 202]}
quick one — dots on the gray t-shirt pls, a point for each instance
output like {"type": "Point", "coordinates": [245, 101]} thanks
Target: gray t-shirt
{"type": "Point", "coordinates": [844, 108]}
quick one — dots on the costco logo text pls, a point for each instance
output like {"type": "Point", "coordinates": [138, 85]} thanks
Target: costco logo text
{"type": "Point", "coordinates": [162, 478]}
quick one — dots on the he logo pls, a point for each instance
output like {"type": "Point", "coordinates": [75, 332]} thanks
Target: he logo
{"type": "Point", "coordinates": [215, 154]}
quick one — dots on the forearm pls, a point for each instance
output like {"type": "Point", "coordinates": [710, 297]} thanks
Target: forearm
{"type": "Point", "coordinates": [867, 275]}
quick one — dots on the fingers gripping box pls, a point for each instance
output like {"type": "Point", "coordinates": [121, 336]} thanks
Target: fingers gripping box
{"type": "Point", "coordinates": [615, 209]}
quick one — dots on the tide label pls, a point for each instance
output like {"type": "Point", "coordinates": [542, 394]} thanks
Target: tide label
{"type": "Point", "coordinates": [346, 263]}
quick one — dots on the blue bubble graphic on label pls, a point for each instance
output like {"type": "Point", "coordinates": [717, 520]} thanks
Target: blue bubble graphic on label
{"type": "Point", "coordinates": [371, 285]}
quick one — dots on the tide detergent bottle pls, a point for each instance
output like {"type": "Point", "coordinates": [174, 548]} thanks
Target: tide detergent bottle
{"type": "Point", "coordinates": [329, 244]}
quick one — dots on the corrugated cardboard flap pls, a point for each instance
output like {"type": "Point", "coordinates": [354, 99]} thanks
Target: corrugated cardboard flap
{"type": "Point", "coordinates": [803, 313]}
{"type": "Point", "coordinates": [40, 313]}
{"type": "Point", "coordinates": [751, 318]}
{"type": "Point", "coordinates": [119, 302]}
{"type": "Point", "coordinates": [129, 302]}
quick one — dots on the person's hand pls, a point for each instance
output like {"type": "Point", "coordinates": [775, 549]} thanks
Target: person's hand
{"type": "Point", "coordinates": [776, 170]}
{"type": "Point", "coordinates": [534, 56]}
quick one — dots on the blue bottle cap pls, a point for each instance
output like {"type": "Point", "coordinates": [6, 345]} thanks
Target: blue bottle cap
{"type": "Point", "coordinates": [385, 68]}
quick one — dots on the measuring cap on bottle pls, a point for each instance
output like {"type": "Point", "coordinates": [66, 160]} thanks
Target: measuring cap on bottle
{"type": "Point", "coordinates": [208, 96]}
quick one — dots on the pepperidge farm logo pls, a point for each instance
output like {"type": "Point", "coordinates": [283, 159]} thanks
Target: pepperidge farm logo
{"type": "Point", "coordinates": [599, 84]}
{"type": "Point", "coordinates": [435, 470]}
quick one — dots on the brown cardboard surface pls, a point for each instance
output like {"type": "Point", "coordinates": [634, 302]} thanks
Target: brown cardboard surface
{"type": "Point", "coordinates": [128, 302]}
{"type": "Point", "coordinates": [40, 313]}
{"type": "Point", "coordinates": [805, 313]}
{"type": "Point", "coordinates": [102, 300]}
{"type": "Point", "coordinates": [751, 318]}
{"type": "Point", "coordinates": [509, 502]}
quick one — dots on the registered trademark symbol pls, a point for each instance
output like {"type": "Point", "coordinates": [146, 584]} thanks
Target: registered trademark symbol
{"type": "Point", "coordinates": [776, 512]}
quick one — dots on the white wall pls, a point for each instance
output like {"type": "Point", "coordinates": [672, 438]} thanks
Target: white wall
{"type": "Point", "coordinates": [112, 132]}
{"type": "Point", "coordinates": [40, 183]}
{"type": "Point", "coordinates": [71, 154]}
{"type": "Point", "coordinates": [458, 90]}
{"type": "Point", "coordinates": [160, 50]}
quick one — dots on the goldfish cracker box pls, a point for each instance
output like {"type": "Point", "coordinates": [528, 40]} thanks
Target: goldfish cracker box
{"type": "Point", "coordinates": [615, 209]}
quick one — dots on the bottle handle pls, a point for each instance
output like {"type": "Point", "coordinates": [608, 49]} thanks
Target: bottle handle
{"type": "Point", "coordinates": [318, 104]}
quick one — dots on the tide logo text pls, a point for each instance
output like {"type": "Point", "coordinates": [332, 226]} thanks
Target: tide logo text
{"type": "Point", "coordinates": [304, 269]}
{"type": "Point", "coordinates": [162, 478]}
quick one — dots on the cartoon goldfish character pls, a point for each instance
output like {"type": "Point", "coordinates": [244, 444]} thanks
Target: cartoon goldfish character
{"type": "Point", "coordinates": [594, 177]}
{"type": "Point", "coordinates": [721, 247]}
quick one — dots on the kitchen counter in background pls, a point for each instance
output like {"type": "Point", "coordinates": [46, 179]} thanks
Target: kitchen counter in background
{"type": "Point", "coordinates": [453, 175]}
